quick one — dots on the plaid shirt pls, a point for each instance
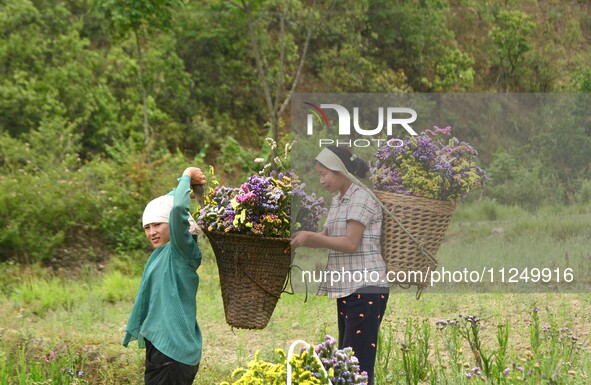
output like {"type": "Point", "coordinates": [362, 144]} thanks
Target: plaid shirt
{"type": "Point", "coordinates": [366, 262]}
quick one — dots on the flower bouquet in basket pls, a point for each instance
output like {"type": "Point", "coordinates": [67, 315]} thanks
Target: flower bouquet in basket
{"type": "Point", "coordinates": [419, 184]}
{"type": "Point", "coordinates": [249, 228]}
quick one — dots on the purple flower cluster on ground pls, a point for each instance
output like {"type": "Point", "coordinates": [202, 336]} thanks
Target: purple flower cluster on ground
{"type": "Point", "coordinates": [341, 364]}
{"type": "Point", "coordinates": [432, 165]}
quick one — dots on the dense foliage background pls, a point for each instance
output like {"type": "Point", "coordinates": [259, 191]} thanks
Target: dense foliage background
{"type": "Point", "coordinates": [104, 102]}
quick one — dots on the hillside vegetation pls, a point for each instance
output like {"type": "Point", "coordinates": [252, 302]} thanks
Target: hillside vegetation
{"type": "Point", "coordinates": [103, 102]}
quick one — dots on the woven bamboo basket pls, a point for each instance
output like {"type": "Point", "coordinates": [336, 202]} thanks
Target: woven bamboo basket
{"type": "Point", "coordinates": [425, 220]}
{"type": "Point", "coordinates": [252, 274]}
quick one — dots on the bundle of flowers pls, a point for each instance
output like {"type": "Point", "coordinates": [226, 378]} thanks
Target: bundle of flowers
{"type": "Point", "coordinates": [305, 370]}
{"type": "Point", "coordinates": [268, 204]}
{"type": "Point", "coordinates": [341, 366]}
{"type": "Point", "coordinates": [432, 165]}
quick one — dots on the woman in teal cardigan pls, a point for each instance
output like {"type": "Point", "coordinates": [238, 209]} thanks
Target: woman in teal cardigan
{"type": "Point", "coordinates": [163, 318]}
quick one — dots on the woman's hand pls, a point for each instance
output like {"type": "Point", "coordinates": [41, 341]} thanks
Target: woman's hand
{"type": "Point", "coordinates": [346, 244]}
{"type": "Point", "coordinates": [300, 238]}
{"type": "Point", "coordinates": [196, 175]}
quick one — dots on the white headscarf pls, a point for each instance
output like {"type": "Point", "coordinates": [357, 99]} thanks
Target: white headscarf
{"type": "Point", "coordinates": [331, 161]}
{"type": "Point", "coordinates": [158, 210]}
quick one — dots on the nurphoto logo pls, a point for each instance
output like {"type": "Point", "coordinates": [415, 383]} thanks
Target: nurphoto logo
{"type": "Point", "coordinates": [388, 117]}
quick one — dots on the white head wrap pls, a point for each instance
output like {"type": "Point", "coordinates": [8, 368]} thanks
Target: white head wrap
{"type": "Point", "coordinates": [158, 210]}
{"type": "Point", "coordinates": [331, 161]}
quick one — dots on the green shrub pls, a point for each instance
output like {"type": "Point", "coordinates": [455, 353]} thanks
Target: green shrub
{"type": "Point", "coordinates": [523, 182]}
{"type": "Point", "coordinates": [56, 206]}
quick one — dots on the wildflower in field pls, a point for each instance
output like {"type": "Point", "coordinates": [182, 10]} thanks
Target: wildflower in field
{"type": "Point", "coordinates": [68, 371]}
{"type": "Point", "coordinates": [471, 319]}
{"type": "Point", "coordinates": [50, 357]}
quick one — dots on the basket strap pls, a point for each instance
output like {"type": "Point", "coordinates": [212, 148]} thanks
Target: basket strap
{"type": "Point", "coordinates": [420, 244]}
{"type": "Point", "coordinates": [288, 281]}
{"type": "Point", "coordinates": [419, 292]}
{"type": "Point", "coordinates": [239, 266]}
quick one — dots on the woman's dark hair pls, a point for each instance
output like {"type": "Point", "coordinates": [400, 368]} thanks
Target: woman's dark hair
{"type": "Point", "coordinates": [355, 165]}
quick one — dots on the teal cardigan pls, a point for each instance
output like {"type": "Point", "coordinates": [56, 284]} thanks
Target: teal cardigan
{"type": "Point", "coordinates": [165, 308]}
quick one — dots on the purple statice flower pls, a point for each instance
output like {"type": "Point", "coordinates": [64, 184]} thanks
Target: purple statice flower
{"type": "Point", "coordinates": [438, 131]}
{"type": "Point", "coordinates": [307, 209]}
{"type": "Point", "coordinates": [261, 206]}
{"type": "Point", "coordinates": [433, 165]}
{"type": "Point", "coordinates": [344, 364]}
{"type": "Point", "coordinates": [425, 151]}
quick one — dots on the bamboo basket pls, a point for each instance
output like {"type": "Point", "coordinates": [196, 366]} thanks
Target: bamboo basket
{"type": "Point", "coordinates": [412, 231]}
{"type": "Point", "coordinates": [252, 274]}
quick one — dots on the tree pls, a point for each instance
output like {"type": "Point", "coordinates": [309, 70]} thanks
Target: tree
{"type": "Point", "coordinates": [414, 36]}
{"type": "Point", "coordinates": [347, 56]}
{"type": "Point", "coordinates": [511, 37]}
{"type": "Point", "coordinates": [134, 16]}
{"type": "Point", "coordinates": [279, 55]}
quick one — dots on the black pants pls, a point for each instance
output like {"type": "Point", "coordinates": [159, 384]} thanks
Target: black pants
{"type": "Point", "coordinates": [360, 316]}
{"type": "Point", "coordinates": [163, 370]}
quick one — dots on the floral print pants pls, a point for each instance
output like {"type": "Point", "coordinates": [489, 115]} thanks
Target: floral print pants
{"type": "Point", "coordinates": [359, 316]}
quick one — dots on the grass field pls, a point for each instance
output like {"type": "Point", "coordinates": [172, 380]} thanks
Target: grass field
{"type": "Point", "coordinates": [65, 328]}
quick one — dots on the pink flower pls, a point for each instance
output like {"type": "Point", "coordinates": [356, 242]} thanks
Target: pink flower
{"type": "Point", "coordinates": [244, 198]}
{"type": "Point", "coordinates": [49, 357]}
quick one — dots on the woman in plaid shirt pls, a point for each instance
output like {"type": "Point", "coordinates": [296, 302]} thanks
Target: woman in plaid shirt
{"type": "Point", "coordinates": [352, 234]}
